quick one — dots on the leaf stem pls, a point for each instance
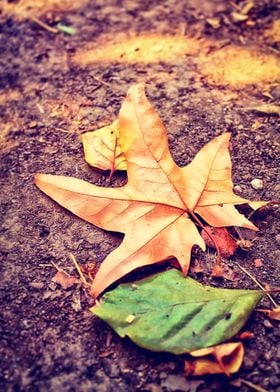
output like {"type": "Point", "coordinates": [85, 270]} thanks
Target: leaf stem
{"type": "Point", "coordinates": [58, 268]}
{"type": "Point", "coordinates": [113, 168]}
{"type": "Point", "coordinates": [44, 25]}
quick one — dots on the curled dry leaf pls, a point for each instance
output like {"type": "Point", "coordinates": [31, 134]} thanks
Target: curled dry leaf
{"type": "Point", "coordinates": [156, 207]}
{"type": "Point", "coordinates": [225, 358]}
{"type": "Point", "coordinates": [102, 148]}
{"type": "Point", "coordinates": [64, 280]}
{"type": "Point", "coordinates": [224, 243]}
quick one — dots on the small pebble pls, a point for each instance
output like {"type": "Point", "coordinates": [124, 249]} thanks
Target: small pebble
{"type": "Point", "coordinates": [256, 183]}
{"type": "Point", "coordinates": [33, 124]}
{"type": "Point", "coordinates": [275, 92]}
{"type": "Point", "coordinates": [39, 285]}
{"type": "Point", "coordinates": [237, 188]}
{"type": "Point", "coordinates": [267, 324]}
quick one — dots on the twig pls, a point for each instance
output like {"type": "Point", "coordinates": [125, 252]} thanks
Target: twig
{"type": "Point", "coordinates": [83, 279]}
{"type": "Point", "coordinates": [253, 386]}
{"type": "Point", "coordinates": [63, 130]}
{"type": "Point", "coordinates": [257, 283]}
{"type": "Point", "coordinates": [238, 233]}
{"type": "Point", "coordinates": [58, 268]}
{"type": "Point", "coordinates": [101, 81]}
{"type": "Point", "coordinates": [44, 25]}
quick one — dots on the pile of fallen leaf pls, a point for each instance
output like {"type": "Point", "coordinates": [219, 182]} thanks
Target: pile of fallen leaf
{"type": "Point", "coordinates": [163, 210]}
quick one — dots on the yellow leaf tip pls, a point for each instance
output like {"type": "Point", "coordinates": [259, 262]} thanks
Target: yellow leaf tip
{"type": "Point", "coordinates": [136, 91]}
{"type": "Point", "coordinates": [225, 136]}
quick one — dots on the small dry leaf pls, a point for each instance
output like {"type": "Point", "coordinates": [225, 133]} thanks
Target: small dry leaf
{"type": "Point", "coordinates": [64, 280]}
{"type": "Point", "coordinates": [214, 22]}
{"type": "Point", "coordinates": [218, 237]}
{"type": "Point", "coordinates": [238, 17]}
{"type": "Point", "coordinates": [102, 148]}
{"type": "Point", "coordinates": [245, 244]}
{"type": "Point", "coordinates": [273, 314]}
{"type": "Point", "coordinates": [224, 358]}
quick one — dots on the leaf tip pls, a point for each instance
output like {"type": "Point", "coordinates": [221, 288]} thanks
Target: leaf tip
{"type": "Point", "coordinates": [37, 177]}
{"type": "Point", "coordinates": [94, 292]}
{"type": "Point", "coordinates": [136, 92]}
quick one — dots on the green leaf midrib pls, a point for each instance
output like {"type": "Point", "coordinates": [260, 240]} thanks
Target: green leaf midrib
{"type": "Point", "coordinates": [166, 305]}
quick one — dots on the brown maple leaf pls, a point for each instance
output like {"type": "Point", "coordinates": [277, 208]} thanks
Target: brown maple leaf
{"type": "Point", "coordinates": [158, 206]}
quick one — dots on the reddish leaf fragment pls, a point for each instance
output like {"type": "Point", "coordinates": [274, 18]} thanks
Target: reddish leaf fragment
{"type": "Point", "coordinates": [90, 269]}
{"type": "Point", "coordinates": [245, 335]}
{"type": "Point", "coordinates": [218, 237]}
{"type": "Point", "coordinates": [64, 280]}
{"type": "Point", "coordinates": [258, 263]}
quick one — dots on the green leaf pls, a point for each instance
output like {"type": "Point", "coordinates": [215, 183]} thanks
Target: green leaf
{"type": "Point", "coordinates": [168, 312]}
{"type": "Point", "coordinates": [66, 29]}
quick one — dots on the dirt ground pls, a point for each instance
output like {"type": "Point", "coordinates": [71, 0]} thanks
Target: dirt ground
{"type": "Point", "coordinates": [215, 74]}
